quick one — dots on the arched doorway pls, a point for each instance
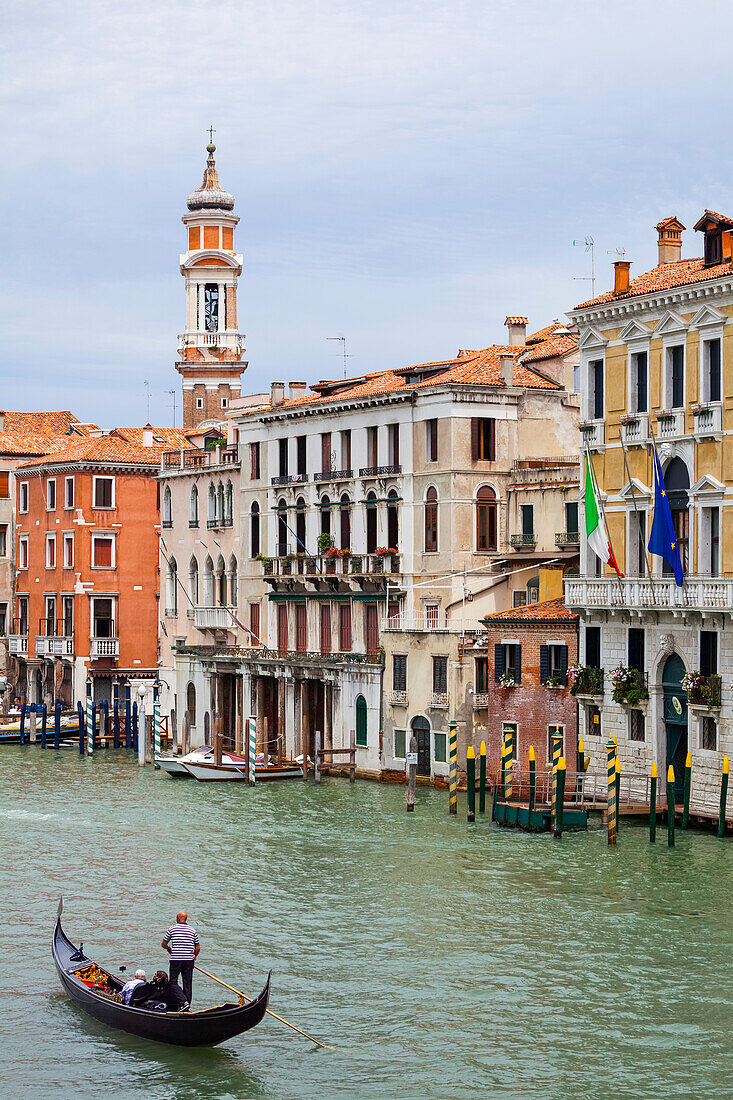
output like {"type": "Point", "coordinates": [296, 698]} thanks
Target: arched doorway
{"type": "Point", "coordinates": [421, 729]}
{"type": "Point", "coordinates": [675, 719]}
{"type": "Point", "coordinates": [677, 481]}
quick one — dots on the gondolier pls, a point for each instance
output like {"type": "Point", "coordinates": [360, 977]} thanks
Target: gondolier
{"type": "Point", "coordinates": [181, 941]}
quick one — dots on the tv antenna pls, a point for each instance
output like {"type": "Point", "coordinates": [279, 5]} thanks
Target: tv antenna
{"type": "Point", "coordinates": [173, 395]}
{"type": "Point", "coordinates": [590, 246]}
{"type": "Point", "coordinates": [342, 341]}
{"type": "Point", "coordinates": [147, 399]}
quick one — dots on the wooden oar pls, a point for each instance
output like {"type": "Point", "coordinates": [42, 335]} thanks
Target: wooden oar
{"type": "Point", "coordinates": [246, 998]}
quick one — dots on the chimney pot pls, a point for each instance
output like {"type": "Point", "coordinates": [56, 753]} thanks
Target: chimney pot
{"type": "Point", "coordinates": [669, 240]}
{"type": "Point", "coordinates": [297, 389]}
{"type": "Point", "coordinates": [621, 276]}
{"type": "Point", "coordinates": [506, 369]}
{"type": "Point", "coordinates": [277, 393]}
{"type": "Point", "coordinates": [148, 436]}
{"type": "Point", "coordinates": [517, 329]}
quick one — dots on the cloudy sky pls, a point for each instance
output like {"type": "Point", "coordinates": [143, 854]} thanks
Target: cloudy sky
{"type": "Point", "coordinates": [405, 174]}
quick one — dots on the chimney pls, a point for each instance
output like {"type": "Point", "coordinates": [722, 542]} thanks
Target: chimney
{"type": "Point", "coordinates": [297, 389]}
{"type": "Point", "coordinates": [621, 276]}
{"type": "Point", "coordinates": [277, 393]}
{"type": "Point", "coordinates": [669, 241]}
{"type": "Point", "coordinates": [517, 329]}
{"type": "Point", "coordinates": [2, 420]}
{"type": "Point", "coordinates": [506, 369]}
{"type": "Point", "coordinates": [148, 436]}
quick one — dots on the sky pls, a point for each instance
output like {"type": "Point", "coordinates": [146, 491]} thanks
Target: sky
{"type": "Point", "coordinates": [406, 174]}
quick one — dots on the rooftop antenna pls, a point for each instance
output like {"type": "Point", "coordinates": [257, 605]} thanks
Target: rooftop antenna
{"type": "Point", "coordinates": [173, 394]}
{"type": "Point", "coordinates": [619, 253]}
{"type": "Point", "coordinates": [590, 246]}
{"type": "Point", "coordinates": [342, 341]}
{"type": "Point", "coordinates": [147, 398]}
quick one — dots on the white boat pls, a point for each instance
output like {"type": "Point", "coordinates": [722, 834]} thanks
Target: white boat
{"type": "Point", "coordinates": [235, 769]}
{"type": "Point", "coordinates": [175, 765]}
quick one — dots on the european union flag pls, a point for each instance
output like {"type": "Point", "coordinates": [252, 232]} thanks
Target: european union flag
{"type": "Point", "coordinates": [663, 538]}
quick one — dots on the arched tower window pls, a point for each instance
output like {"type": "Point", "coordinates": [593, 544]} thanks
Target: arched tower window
{"type": "Point", "coordinates": [167, 507]}
{"type": "Point", "coordinates": [254, 529]}
{"type": "Point", "coordinates": [371, 522]}
{"type": "Point", "coordinates": [431, 520]}
{"type": "Point", "coordinates": [393, 524]}
{"type": "Point", "coordinates": [486, 519]}
{"type": "Point", "coordinates": [193, 581]}
{"type": "Point", "coordinates": [211, 307]}
{"type": "Point", "coordinates": [193, 511]}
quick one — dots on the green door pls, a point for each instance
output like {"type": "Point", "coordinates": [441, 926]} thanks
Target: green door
{"type": "Point", "coordinates": [675, 720]}
{"type": "Point", "coordinates": [361, 720]}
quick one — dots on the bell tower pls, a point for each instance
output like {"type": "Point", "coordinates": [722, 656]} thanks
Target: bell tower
{"type": "Point", "coordinates": [210, 350]}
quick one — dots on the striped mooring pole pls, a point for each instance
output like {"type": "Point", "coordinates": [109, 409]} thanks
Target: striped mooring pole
{"type": "Point", "coordinates": [560, 798]}
{"type": "Point", "coordinates": [90, 718]}
{"type": "Point", "coordinates": [156, 723]}
{"type": "Point", "coordinates": [130, 742]}
{"type": "Point", "coordinates": [611, 804]}
{"type": "Point", "coordinates": [57, 724]}
{"type": "Point", "coordinates": [653, 805]}
{"type": "Point", "coordinates": [116, 711]}
{"type": "Point", "coordinates": [471, 783]}
{"type": "Point", "coordinates": [556, 754]}
{"type": "Point", "coordinates": [686, 796]}
{"type": "Point", "coordinates": [507, 760]}
{"type": "Point", "coordinates": [532, 781]}
{"type": "Point", "coordinates": [723, 795]}
{"type": "Point", "coordinates": [482, 778]}
{"type": "Point", "coordinates": [618, 792]}
{"type": "Point", "coordinates": [581, 770]}
{"type": "Point", "coordinates": [80, 720]}
{"type": "Point", "coordinates": [670, 806]}
{"type": "Point", "coordinates": [453, 777]}
{"type": "Point", "coordinates": [252, 743]}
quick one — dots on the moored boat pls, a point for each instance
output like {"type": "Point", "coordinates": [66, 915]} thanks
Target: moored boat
{"type": "Point", "coordinates": [235, 769]}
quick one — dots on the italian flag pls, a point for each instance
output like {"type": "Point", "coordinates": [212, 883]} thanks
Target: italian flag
{"type": "Point", "coordinates": [596, 531]}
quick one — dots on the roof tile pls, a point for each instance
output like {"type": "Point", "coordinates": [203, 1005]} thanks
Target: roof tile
{"type": "Point", "coordinates": [547, 610]}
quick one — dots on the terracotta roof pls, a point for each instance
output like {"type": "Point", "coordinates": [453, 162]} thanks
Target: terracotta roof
{"type": "Point", "coordinates": [516, 320]}
{"type": "Point", "coordinates": [168, 437]}
{"type": "Point", "coordinates": [666, 222]}
{"type": "Point", "coordinates": [711, 215]}
{"type": "Point", "coordinates": [554, 610]}
{"type": "Point", "coordinates": [551, 348]}
{"type": "Point", "coordinates": [112, 449]}
{"type": "Point", "coordinates": [39, 433]}
{"type": "Point", "coordinates": [665, 277]}
{"type": "Point", "coordinates": [50, 423]}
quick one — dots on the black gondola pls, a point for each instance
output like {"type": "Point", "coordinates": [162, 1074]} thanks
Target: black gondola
{"type": "Point", "coordinates": [187, 1029]}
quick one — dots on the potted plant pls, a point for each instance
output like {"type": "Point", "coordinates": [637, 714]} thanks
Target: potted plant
{"type": "Point", "coordinates": [325, 543]}
{"type": "Point", "coordinates": [506, 680]}
{"type": "Point", "coordinates": [554, 680]}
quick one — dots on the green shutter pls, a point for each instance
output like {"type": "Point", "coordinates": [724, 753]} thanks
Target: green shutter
{"type": "Point", "coordinates": [361, 720]}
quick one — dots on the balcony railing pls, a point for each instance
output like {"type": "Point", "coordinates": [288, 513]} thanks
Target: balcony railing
{"type": "Point", "coordinates": [708, 419]}
{"type": "Point", "coordinates": [480, 700]}
{"type": "Point", "coordinates": [635, 429]}
{"type": "Point", "coordinates": [536, 471]}
{"type": "Point", "coordinates": [439, 699]}
{"type": "Point", "coordinates": [589, 681]}
{"type": "Point", "coordinates": [220, 521]}
{"type": "Point", "coordinates": [380, 471]}
{"type": "Point", "coordinates": [17, 644]}
{"type": "Point", "coordinates": [166, 523]}
{"type": "Point", "coordinates": [420, 624]}
{"type": "Point", "coordinates": [334, 475]}
{"type": "Point", "coordinates": [201, 456]}
{"type": "Point", "coordinates": [289, 479]}
{"type": "Point", "coordinates": [523, 542]}
{"type": "Point", "coordinates": [698, 593]}
{"type": "Point", "coordinates": [567, 538]}
{"type": "Point", "coordinates": [287, 564]}
{"type": "Point", "coordinates": [195, 339]}
{"type": "Point", "coordinates": [54, 646]}
{"type": "Point", "coordinates": [105, 647]}
{"type": "Point", "coordinates": [593, 433]}
{"type": "Point", "coordinates": [212, 618]}
{"type": "Point", "coordinates": [706, 693]}
{"type": "Point", "coordinates": [670, 424]}
{"type": "Point", "coordinates": [398, 698]}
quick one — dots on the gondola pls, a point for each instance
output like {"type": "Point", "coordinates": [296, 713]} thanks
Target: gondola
{"type": "Point", "coordinates": [205, 1028]}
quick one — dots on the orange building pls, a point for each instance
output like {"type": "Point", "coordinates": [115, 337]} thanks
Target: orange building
{"type": "Point", "coordinates": [87, 578]}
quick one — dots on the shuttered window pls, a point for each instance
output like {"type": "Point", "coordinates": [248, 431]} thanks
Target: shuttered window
{"type": "Point", "coordinates": [431, 521]}
{"type": "Point", "coordinates": [325, 452]}
{"type": "Point", "coordinates": [4, 484]}
{"type": "Point", "coordinates": [372, 628]}
{"type": "Point", "coordinates": [282, 628]}
{"type": "Point", "coordinates": [399, 672]}
{"type": "Point", "coordinates": [508, 658]}
{"type": "Point", "coordinates": [301, 627]}
{"type": "Point", "coordinates": [361, 720]}
{"type": "Point", "coordinates": [481, 674]}
{"type": "Point", "coordinates": [554, 664]}
{"type": "Point", "coordinates": [345, 628]}
{"type": "Point", "coordinates": [254, 458]}
{"type": "Point", "coordinates": [254, 624]}
{"type": "Point", "coordinates": [101, 552]}
{"type": "Point", "coordinates": [431, 440]}
{"type": "Point", "coordinates": [483, 439]}
{"type": "Point", "coordinates": [325, 628]}
{"type": "Point", "coordinates": [440, 675]}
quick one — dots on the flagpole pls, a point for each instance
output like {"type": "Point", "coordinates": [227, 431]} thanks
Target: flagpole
{"type": "Point", "coordinates": [656, 456]}
{"type": "Point", "coordinates": [603, 510]}
{"type": "Point", "coordinates": [636, 510]}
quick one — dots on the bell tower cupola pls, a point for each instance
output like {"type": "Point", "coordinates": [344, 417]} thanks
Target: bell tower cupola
{"type": "Point", "coordinates": [210, 350]}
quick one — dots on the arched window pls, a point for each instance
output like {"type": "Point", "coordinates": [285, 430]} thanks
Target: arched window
{"type": "Point", "coordinates": [233, 581]}
{"type": "Point", "coordinates": [282, 528]}
{"type": "Point", "coordinates": [393, 523]}
{"type": "Point", "coordinates": [208, 582]}
{"type": "Point", "coordinates": [191, 703]}
{"type": "Point", "coordinates": [229, 505]}
{"type": "Point", "coordinates": [254, 529]}
{"type": "Point", "coordinates": [220, 503]}
{"type": "Point", "coordinates": [211, 508]}
{"type": "Point", "coordinates": [221, 582]}
{"type": "Point", "coordinates": [300, 525]}
{"type": "Point", "coordinates": [361, 720]}
{"type": "Point", "coordinates": [677, 481]}
{"type": "Point", "coordinates": [193, 510]}
{"type": "Point", "coordinates": [486, 519]}
{"type": "Point", "coordinates": [167, 507]}
{"type": "Point", "coordinates": [211, 307]}
{"type": "Point", "coordinates": [431, 520]}
{"type": "Point", "coordinates": [371, 522]}
{"type": "Point", "coordinates": [325, 515]}
{"type": "Point", "coordinates": [345, 522]}
{"type": "Point", "coordinates": [171, 601]}
{"type": "Point", "coordinates": [193, 581]}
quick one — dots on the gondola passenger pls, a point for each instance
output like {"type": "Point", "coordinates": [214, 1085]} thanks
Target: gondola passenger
{"type": "Point", "coordinates": [132, 984]}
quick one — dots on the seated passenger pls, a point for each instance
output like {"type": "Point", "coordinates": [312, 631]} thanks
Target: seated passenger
{"type": "Point", "coordinates": [159, 994]}
{"type": "Point", "coordinates": [132, 984]}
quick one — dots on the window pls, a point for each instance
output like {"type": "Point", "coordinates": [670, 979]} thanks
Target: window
{"type": "Point", "coordinates": [571, 517]}
{"type": "Point", "coordinates": [593, 722]}
{"type": "Point", "coordinates": [254, 624]}
{"type": "Point", "coordinates": [3, 618]}
{"type": "Point", "coordinates": [326, 464]}
{"type": "Point", "coordinates": [710, 541]}
{"type": "Point", "coordinates": [193, 581]}
{"type": "Point", "coordinates": [372, 447]}
{"type": "Point", "coordinates": [50, 494]}
{"type": "Point", "coordinates": [193, 507]}
{"type": "Point", "coordinates": [510, 729]}
{"type": "Point", "coordinates": [439, 747]}
{"type": "Point", "coordinates": [282, 451]}
{"type": "Point", "coordinates": [431, 520]}
{"type": "Point", "coordinates": [167, 508]}
{"type": "Point", "coordinates": [708, 652]}
{"type": "Point", "coordinates": [50, 626]}
{"type": "Point", "coordinates": [325, 628]}
{"type": "Point", "coordinates": [431, 614]}
{"type": "Point", "coordinates": [4, 484]}
{"type": "Point", "coordinates": [483, 439]}
{"type": "Point", "coordinates": [102, 551]}
{"type": "Point", "coordinates": [23, 496]}
{"type": "Point", "coordinates": [211, 306]}
{"type": "Point", "coordinates": [345, 627]}
{"type": "Point", "coordinates": [639, 382]}
{"type": "Point", "coordinates": [399, 672]}
{"type": "Point", "coordinates": [371, 522]}
{"type": "Point", "coordinates": [171, 598]}
{"type": "Point", "coordinates": [399, 744]}
{"type": "Point", "coordinates": [372, 628]}
{"type": "Point", "coordinates": [300, 453]}
{"type": "Point", "coordinates": [486, 519]}
{"type": "Point", "coordinates": [345, 523]}
{"type": "Point", "coordinates": [394, 445]}
{"type": "Point", "coordinates": [519, 599]}
{"type": "Point", "coordinates": [254, 461]}
{"type": "Point", "coordinates": [636, 648]}
{"type": "Point", "coordinates": [68, 616]}
{"type": "Point", "coordinates": [282, 627]}
{"type": "Point", "coordinates": [300, 532]}
{"type": "Point", "coordinates": [254, 525]}
{"type": "Point", "coordinates": [431, 440]}
{"type": "Point", "coordinates": [527, 522]}
{"type": "Point", "coordinates": [708, 733]}
{"type": "Point", "coordinates": [199, 402]}
{"type": "Point", "coordinates": [224, 402]}
{"type": "Point", "coordinates": [3, 540]}
{"type": "Point", "coordinates": [674, 377]}
{"type": "Point", "coordinates": [554, 664]}
{"type": "Point", "coordinates": [325, 506]}
{"type": "Point", "coordinates": [104, 492]}
{"type": "Point", "coordinates": [23, 552]}
{"type": "Point", "coordinates": [713, 247]}
{"type": "Point", "coordinates": [440, 675]}
{"type": "Point", "coordinates": [50, 551]}
{"type": "Point", "coordinates": [393, 520]}
{"type": "Point", "coordinates": [508, 661]}
{"type": "Point", "coordinates": [229, 504]}
{"type": "Point", "coordinates": [637, 564]}
{"type": "Point", "coordinates": [481, 675]}
{"type": "Point", "coordinates": [361, 720]}
{"type": "Point", "coordinates": [595, 390]}
{"type": "Point", "coordinates": [711, 360]}
{"type": "Point", "coordinates": [191, 703]}
{"type": "Point", "coordinates": [22, 614]}
{"type": "Point", "coordinates": [346, 449]}
{"type": "Point", "coordinates": [554, 731]}
{"type": "Point", "coordinates": [68, 551]}
{"type": "Point", "coordinates": [593, 646]}
{"type": "Point", "coordinates": [637, 725]}
{"type": "Point", "coordinates": [68, 492]}
{"type": "Point", "coordinates": [301, 628]}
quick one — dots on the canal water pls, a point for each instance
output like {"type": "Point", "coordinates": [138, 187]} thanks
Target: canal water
{"type": "Point", "coordinates": [439, 960]}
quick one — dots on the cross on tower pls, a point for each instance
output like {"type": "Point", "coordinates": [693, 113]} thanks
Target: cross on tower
{"type": "Point", "coordinates": [212, 131]}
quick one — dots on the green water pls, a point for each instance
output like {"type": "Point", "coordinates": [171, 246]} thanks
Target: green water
{"type": "Point", "coordinates": [440, 960]}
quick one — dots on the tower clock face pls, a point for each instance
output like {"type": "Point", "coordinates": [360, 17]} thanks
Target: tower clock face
{"type": "Point", "coordinates": [211, 307]}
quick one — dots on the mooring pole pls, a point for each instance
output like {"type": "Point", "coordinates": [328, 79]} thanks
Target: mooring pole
{"type": "Point", "coordinates": [482, 778]}
{"type": "Point", "coordinates": [556, 754]}
{"type": "Point", "coordinates": [80, 718]}
{"type": "Point", "coordinates": [43, 726]}
{"type": "Point", "coordinates": [134, 722]}
{"type": "Point", "coordinates": [471, 782]}
{"type": "Point", "coordinates": [90, 718]}
{"type": "Point", "coordinates": [411, 774]}
{"type": "Point", "coordinates": [352, 756]}
{"type": "Point", "coordinates": [560, 797]}
{"type": "Point", "coordinates": [581, 770]}
{"type": "Point", "coordinates": [316, 764]}
{"type": "Point", "coordinates": [653, 805]}
{"type": "Point", "coordinates": [22, 718]}
{"type": "Point", "coordinates": [618, 791]}
{"type": "Point", "coordinates": [611, 797]}
{"type": "Point", "coordinates": [57, 724]}
{"type": "Point", "coordinates": [686, 796]}
{"type": "Point", "coordinates": [508, 763]}
{"type": "Point", "coordinates": [116, 710]}
{"type": "Point", "coordinates": [723, 795]}
{"type": "Point", "coordinates": [130, 743]}
{"type": "Point", "coordinates": [453, 774]}
{"type": "Point", "coordinates": [532, 783]}
{"type": "Point", "coordinates": [252, 750]}
{"type": "Point", "coordinates": [156, 724]}
{"type": "Point", "coordinates": [670, 806]}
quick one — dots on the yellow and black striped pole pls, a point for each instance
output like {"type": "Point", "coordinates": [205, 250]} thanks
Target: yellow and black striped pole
{"type": "Point", "coordinates": [532, 782]}
{"type": "Point", "coordinates": [671, 807]}
{"type": "Point", "coordinates": [686, 796]}
{"type": "Point", "coordinates": [482, 778]}
{"type": "Point", "coordinates": [611, 804]}
{"type": "Point", "coordinates": [556, 754]}
{"type": "Point", "coordinates": [653, 805]}
{"type": "Point", "coordinates": [560, 798]}
{"type": "Point", "coordinates": [506, 761]}
{"type": "Point", "coordinates": [471, 782]}
{"type": "Point", "coordinates": [618, 793]}
{"type": "Point", "coordinates": [723, 796]}
{"type": "Point", "coordinates": [453, 778]}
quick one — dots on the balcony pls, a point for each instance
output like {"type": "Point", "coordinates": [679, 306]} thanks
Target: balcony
{"type": "Point", "coordinates": [17, 644]}
{"type": "Point", "coordinates": [212, 618]}
{"type": "Point", "coordinates": [194, 339]}
{"type": "Point", "coordinates": [439, 700]}
{"type": "Point", "coordinates": [708, 421]}
{"type": "Point", "coordinates": [593, 433]}
{"type": "Point", "coordinates": [566, 540]}
{"type": "Point", "coordinates": [481, 700]}
{"type": "Point", "coordinates": [523, 542]}
{"type": "Point", "coordinates": [705, 692]}
{"type": "Point", "coordinates": [660, 594]}
{"type": "Point", "coordinates": [670, 424]}
{"type": "Point", "coordinates": [287, 564]}
{"type": "Point", "coordinates": [334, 475]}
{"type": "Point", "coordinates": [200, 457]}
{"type": "Point", "coordinates": [104, 647]}
{"type": "Point", "coordinates": [220, 521]}
{"type": "Point", "coordinates": [289, 479]}
{"type": "Point", "coordinates": [548, 469]}
{"type": "Point", "coordinates": [635, 429]}
{"type": "Point", "coordinates": [587, 681]}
{"type": "Point", "coordinates": [380, 471]}
{"type": "Point", "coordinates": [398, 698]}
{"type": "Point", "coordinates": [60, 647]}
{"type": "Point", "coordinates": [421, 624]}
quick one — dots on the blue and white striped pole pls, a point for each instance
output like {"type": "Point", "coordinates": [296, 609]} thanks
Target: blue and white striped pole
{"type": "Point", "coordinates": [90, 718]}
{"type": "Point", "coordinates": [252, 738]}
{"type": "Point", "coordinates": [156, 723]}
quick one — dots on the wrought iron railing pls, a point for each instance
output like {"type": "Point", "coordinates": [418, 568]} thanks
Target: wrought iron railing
{"type": "Point", "coordinates": [289, 479]}
{"type": "Point", "coordinates": [589, 681]}
{"type": "Point", "coordinates": [380, 471]}
{"type": "Point", "coordinates": [333, 475]}
{"type": "Point", "coordinates": [522, 542]}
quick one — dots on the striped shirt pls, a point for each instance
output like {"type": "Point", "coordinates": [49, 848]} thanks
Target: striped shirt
{"type": "Point", "coordinates": [182, 938]}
